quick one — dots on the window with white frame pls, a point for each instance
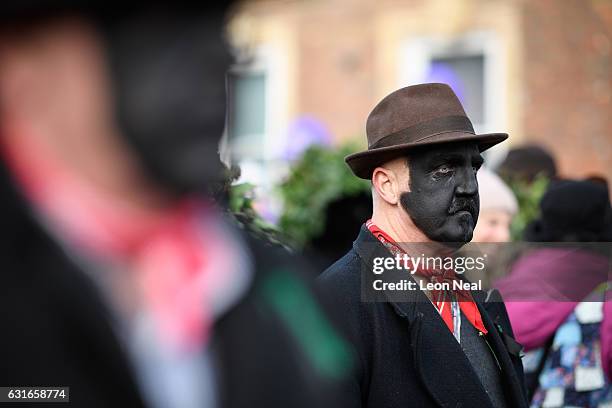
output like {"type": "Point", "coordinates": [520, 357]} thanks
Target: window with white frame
{"type": "Point", "coordinates": [470, 64]}
{"type": "Point", "coordinates": [465, 74]}
{"type": "Point", "coordinates": [247, 113]}
{"type": "Point", "coordinates": [257, 114]}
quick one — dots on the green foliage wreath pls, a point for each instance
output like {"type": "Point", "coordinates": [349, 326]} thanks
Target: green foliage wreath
{"type": "Point", "coordinates": [319, 177]}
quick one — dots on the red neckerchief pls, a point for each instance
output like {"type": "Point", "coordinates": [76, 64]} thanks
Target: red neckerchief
{"type": "Point", "coordinates": [440, 299]}
{"type": "Point", "coordinates": [178, 255]}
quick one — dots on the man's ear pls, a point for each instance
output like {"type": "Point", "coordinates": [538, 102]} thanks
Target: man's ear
{"type": "Point", "coordinates": [385, 182]}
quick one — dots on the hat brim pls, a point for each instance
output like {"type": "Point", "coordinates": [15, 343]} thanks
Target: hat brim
{"type": "Point", "coordinates": [363, 163]}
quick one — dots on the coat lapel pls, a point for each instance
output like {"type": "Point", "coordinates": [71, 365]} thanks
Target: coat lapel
{"type": "Point", "coordinates": [439, 360]}
{"type": "Point", "coordinates": [445, 369]}
{"type": "Point", "coordinates": [510, 378]}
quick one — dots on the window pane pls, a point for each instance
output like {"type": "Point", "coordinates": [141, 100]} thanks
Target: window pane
{"type": "Point", "coordinates": [247, 110]}
{"type": "Point", "coordinates": [465, 74]}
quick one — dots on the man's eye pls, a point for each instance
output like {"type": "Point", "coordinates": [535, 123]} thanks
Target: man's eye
{"type": "Point", "coordinates": [444, 169]}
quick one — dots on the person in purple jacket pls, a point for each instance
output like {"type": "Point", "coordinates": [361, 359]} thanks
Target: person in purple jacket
{"type": "Point", "coordinates": [558, 298]}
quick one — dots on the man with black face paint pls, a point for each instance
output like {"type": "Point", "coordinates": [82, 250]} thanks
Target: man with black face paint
{"type": "Point", "coordinates": [121, 278]}
{"type": "Point", "coordinates": [442, 196]}
{"type": "Point", "coordinates": [422, 345]}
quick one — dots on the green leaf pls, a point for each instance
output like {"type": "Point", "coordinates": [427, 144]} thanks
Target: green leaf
{"type": "Point", "coordinates": [318, 178]}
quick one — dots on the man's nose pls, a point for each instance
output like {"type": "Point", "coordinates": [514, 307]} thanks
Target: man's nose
{"type": "Point", "coordinates": [468, 185]}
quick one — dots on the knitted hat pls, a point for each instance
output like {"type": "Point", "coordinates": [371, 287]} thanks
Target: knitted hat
{"type": "Point", "coordinates": [573, 211]}
{"type": "Point", "coordinates": [494, 193]}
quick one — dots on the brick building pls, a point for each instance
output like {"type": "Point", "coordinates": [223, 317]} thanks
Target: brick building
{"type": "Point", "coordinates": [540, 70]}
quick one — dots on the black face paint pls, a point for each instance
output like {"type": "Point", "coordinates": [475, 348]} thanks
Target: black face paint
{"type": "Point", "coordinates": [443, 199]}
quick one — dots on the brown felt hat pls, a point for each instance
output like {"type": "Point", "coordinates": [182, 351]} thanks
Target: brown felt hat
{"type": "Point", "coordinates": [414, 116]}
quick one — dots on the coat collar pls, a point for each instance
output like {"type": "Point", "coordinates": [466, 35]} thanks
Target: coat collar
{"type": "Point", "coordinates": [432, 343]}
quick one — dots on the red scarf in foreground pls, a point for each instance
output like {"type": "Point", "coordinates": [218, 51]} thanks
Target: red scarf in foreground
{"type": "Point", "coordinates": [178, 256]}
{"type": "Point", "coordinates": [440, 299]}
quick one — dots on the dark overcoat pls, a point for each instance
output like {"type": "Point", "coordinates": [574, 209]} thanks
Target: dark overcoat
{"type": "Point", "coordinates": [56, 328]}
{"type": "Point", "coordinates": [406, 355]}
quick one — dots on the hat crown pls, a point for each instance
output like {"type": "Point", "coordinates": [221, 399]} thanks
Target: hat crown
{"type": "Point", "coordinates": [412, 117]}
{"type": "Point", "coordinates": [411, 106]}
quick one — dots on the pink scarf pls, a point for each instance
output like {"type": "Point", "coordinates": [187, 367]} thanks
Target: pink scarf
{"type": "Point", "coordinates": [175, 258]}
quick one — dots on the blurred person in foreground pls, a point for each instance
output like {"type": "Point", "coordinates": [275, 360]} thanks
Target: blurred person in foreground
{"type": "Point", "coordinates": [558, 299]}
{"type": "Point", "coordinates": [120, 278]}
{"type": "Point", "coordinates": [422, 347]}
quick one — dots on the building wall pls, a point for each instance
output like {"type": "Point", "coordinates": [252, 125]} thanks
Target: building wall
{"type": "Point", "coordinates": [551, 82]}
{"type": "Point", "coordinates": [567, 106]}
{"type": "Point", "coordinates": [336, 73]}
